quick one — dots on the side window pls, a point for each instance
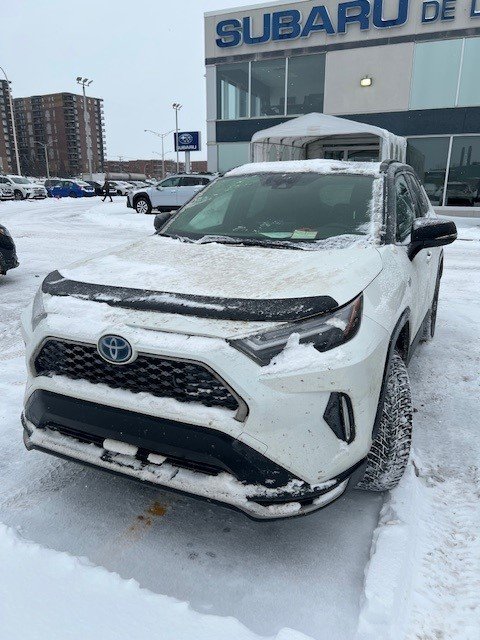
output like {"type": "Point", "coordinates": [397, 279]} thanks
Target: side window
{"type": "Point", "coordinates": [420, 198]}
{"type": "Point", "coordinates": [170, 182]}
{"type": "Point", "coordinates": [189, 181]}
{"type": "Point", "coordinates": [3, 181]}
{"type": "Point", "coordinates": [204, 181]}
{"type": "Point", "coordinates": [405, 209]}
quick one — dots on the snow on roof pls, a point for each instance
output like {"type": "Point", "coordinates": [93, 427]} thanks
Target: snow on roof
{"type": "Point", "coordinates": [302, 130]}
{"type": "Point", "coordinates": [308, 166]}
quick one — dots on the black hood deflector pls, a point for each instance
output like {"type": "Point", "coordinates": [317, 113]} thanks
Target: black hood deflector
{"type": "Point", "coordinates": [239, 309]}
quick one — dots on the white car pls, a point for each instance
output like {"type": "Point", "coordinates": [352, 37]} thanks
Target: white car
{"type": "Point", "coordinates": [23, 188]}
{"type": "Point", "coordinates": [254, 351]}
{"type": "Point", "coordinates": [6, 192]}
{"type": "Point", "coordinates": [120, 187]}
{"type": "Point", "coordinates": [171, 193]}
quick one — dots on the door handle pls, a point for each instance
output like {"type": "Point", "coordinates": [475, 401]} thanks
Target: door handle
{"type": "Point", "coordinates": [429, 256]}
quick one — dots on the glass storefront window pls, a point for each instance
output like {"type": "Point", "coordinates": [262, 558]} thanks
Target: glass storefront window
{"type": "Point", "coordinates": [436, 67]}
{"type": "Point", "coordinates": [232, 91]}
{"type": "Point", "coordinates": [268, 88]}
{"type": "Point", "coordinates": [306, 82]}
{"type": "Point", "coordinates": [463, 188]}
{"type": "Point", "coordinates": [429, 157]}
{"type": "Point", "coordinates": [232, 154]}
{"type": "Point", "coordinates": [469, 93]}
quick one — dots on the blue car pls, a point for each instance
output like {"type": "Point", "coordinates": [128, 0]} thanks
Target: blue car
{"type": "Point", "coordinates": [59, 188]}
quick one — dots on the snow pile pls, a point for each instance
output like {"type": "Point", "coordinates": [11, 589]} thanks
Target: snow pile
{"type": "Point", "coordinates": [46, 594]}
{"type": "Point", "coordinates": [294, 357]}
{"type": "Point", "coordinates": [423, 580]}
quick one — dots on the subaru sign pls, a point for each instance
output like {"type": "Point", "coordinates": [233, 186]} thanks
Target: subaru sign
{"type": "Point", "coordinates": [187, 141]}
{"type": "Point", "coordinates": [291, 24]}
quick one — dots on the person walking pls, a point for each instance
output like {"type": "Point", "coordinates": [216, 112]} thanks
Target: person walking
{"type": "Point", "coordinates": [107, 192]}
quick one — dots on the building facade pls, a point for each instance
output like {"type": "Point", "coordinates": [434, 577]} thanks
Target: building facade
{"type": "Point", "coordinates": [409, 66]}
{"type": "Point", "coordinates": [57, 120]}
{"type": "Point", "coordinates": [7, 149]}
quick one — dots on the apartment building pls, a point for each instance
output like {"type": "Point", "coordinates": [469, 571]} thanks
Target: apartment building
{"type": "Point", "coordinates": [57, 121]}
{"type": "Point", "coordinates": [7, 152]}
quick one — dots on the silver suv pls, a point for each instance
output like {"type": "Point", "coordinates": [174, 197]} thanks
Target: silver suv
{"type": "Point", "coordinates": [171, 193]}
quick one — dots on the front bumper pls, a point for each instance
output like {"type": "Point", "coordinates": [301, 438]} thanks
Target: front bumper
{"type": "Point", "coordinates": [257, 501]}
{"type": "Point", "coordinates": [284, 425]}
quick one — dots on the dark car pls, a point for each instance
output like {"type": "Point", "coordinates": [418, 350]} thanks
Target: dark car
{"type": "Point", "coordinates": [97, 186]}
{"type": "Point", "coordinates": [8, 254]}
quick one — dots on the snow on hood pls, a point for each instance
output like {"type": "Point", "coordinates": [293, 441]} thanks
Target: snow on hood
{"type": "Point", "coordinates": [167, 265]}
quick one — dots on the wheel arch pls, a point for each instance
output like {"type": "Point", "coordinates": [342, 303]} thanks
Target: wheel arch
{"type": "Point", "coordinates": [143, 194]}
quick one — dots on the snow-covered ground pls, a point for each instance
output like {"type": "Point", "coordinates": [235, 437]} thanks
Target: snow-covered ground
{"type": "Point", "coordinates": [204, 571]}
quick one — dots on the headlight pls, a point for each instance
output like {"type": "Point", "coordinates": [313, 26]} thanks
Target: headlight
{"type": "Point", "coordinates": [38, 310]}
{"type": "Point", "coordinates": [324, 332]}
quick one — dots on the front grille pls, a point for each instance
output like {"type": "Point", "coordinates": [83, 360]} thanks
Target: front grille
{"type": "Point", "coordinates": [183, 381]}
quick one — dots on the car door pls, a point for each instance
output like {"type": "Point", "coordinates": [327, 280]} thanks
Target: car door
{"type": "Point", "coordinates": [418, 269]}
{"type": "Point", "coordinates": [164, 194]}
{"type": "Point", "coordinates": [431, 255]}
{"type": "Point", "coordinates": [188, 187]}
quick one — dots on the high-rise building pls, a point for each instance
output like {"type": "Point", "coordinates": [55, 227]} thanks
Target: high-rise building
{"type": "Point", "coordinates": [57, 120]}
{"type": "Point", "coordinates": [7, 150]}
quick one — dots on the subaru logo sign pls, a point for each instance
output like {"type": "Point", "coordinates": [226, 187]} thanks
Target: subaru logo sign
{"type": "Point", "coordinates": [185, 138]}
{"type": "Point", "coordinates": [115, 349]}
{"type": "Point", "coordinates": [187, 141]}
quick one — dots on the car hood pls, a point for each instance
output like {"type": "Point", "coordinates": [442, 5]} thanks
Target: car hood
{"type": "Point", "coordinates": [160, 265]}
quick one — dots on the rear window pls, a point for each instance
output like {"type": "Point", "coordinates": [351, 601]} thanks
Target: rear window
{"type": "Point", "coordinates": [290, 206]}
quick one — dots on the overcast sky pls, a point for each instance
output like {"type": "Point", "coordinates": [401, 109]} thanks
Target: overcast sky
{"type": "Point", "coordinates": [142, 56]}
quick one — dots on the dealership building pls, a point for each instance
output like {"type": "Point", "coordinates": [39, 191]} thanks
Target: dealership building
{"type": "Point", "coordinates": [409, 66]}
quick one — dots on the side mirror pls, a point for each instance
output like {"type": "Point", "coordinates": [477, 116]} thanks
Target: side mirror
{"type": "Point", "coordinates": [161, 219]}
{"type": "Point", "coordinates": [431, 232]}
{"type": "Point", "coordinates": [159, 188]}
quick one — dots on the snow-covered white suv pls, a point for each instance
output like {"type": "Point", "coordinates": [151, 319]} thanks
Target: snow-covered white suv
{"type": "Point", "coordinates": [171, 193]}
{"type": "Point", "coordinates": [252, 352]}
{"type": "Point", "coordinates": [23, 188]}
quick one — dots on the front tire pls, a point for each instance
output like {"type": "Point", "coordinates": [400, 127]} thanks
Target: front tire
{"type": "Point", "coordinates": [19, 195]}
{"type": "Point", "coordinates": [390, 449]}
{"type": "Point", "coordinates": [143, 205]}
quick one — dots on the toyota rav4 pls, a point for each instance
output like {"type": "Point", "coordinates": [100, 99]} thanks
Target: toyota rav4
{"type": "Point", "coordinates": [254, 350]}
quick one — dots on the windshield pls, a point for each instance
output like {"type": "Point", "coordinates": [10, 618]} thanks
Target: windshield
{"type": "Point", "coordinates": [21, 180]}
{"type": "Point", "coordinates": [297, 207]}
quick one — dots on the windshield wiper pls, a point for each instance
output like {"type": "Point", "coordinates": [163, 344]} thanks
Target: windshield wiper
{"type": "Point", "coordinates": [248, 242]}
{"type": "Point", "coordinates": [239, 242]}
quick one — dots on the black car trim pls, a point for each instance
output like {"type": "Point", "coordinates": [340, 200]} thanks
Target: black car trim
{"type": "Point", "coordinates": [240, 309]}
{"type": "Point", "coordinates": [200, 445]}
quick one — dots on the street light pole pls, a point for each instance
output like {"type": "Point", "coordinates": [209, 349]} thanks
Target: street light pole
{"type": "Point", "coordinates": [85, 82]}
{"type": "Point", "coordinates": [12, 117]}
{"type": "Point", "coordinates": [162, 136]}
{"type": "Point", "coordinates": [176, 107]}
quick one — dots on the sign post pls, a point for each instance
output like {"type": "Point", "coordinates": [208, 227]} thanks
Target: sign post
{"type": "Point", "coordinates": [187, 141]}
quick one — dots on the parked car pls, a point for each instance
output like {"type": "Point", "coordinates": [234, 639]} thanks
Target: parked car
{"type": "Point", "coordinates": [97, 186]}
{"type": "Point", "coordinates": [23, 188]}
{"type": "Point", "coordinates": [8, 253]}
{"type": "Point", "coordinates": [261, 342]}
{"type": "Point", "coordinates": [6, 192]}
{"type": "Point", "coordinates": [460, 193]}
{"type": "Point", "coordinates": [59, 188]}
{"type": "Point", "coordinates": [168, 194]}
{"type": "Point", "coordinates": [120, 187]}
